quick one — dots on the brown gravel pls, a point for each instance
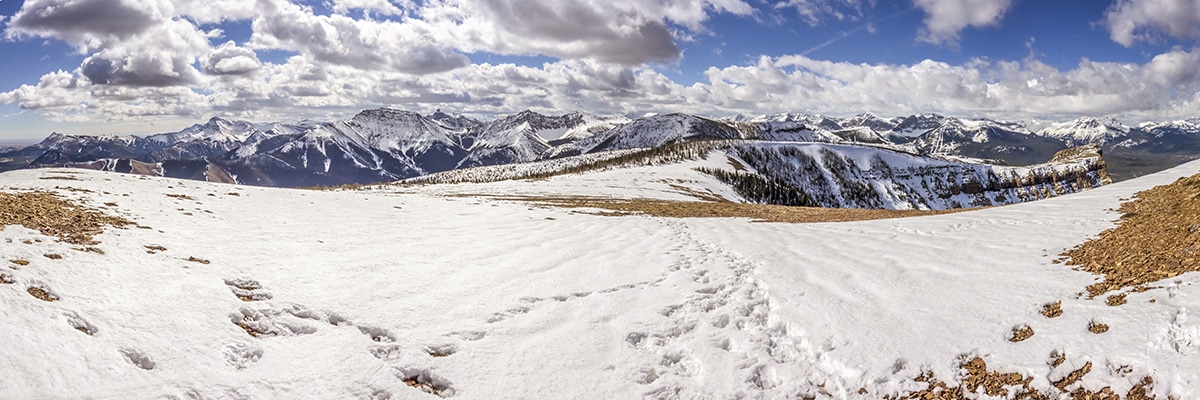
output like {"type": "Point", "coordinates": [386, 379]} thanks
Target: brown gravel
{"type": "Point", "coordinates": [1052, 310]}
{"type": "Point", "coordinates": [694, 209]}
{"type": "Point", "coordinates": [1097, 327]}
{"type": "Point", "coordinates": [53, 216]}
{"type": "Point", "coordinates": [1157, 237]}
{"type": "Point", "coordinates": [1115, 300]}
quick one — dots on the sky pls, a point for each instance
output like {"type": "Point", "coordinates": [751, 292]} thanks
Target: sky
{"type": "Point", "coordinates": [147, 66]}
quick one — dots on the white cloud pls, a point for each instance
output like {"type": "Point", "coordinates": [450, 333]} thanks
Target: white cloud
{"type": "Point", "coordinates": [945, 19]}
{"type": "Point", "coordinates": [163, 65]}
{"type": "Point", "coordinates": [230, 59]}
{"type": "Point", "coordinates": [384, 7]}
{"type": "Point", "coordinates": [85, 24]}
{"type": "Point", "coordinates": [815, 12]}
{"type": "Point", "coordinates": [1131, 21]}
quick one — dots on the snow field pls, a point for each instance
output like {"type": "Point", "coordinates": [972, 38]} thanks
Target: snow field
{"type": "Point", "coordinates": [396, 292]}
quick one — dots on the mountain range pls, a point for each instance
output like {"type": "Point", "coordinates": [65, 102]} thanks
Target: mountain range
{"type": "Point", "coordinates": [382, 145]}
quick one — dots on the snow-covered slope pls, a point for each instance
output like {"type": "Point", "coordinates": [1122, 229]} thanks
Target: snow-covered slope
{"type": "Point", "coordinates": [386, 293]}
{"type": "Point", "coordinates": [586, 309]}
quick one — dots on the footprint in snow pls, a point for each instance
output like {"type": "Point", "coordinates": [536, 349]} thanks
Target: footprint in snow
{"type": "Point", "coordinates": [138, 359]}
{"type": "Point", "coordinates": [248, 289]}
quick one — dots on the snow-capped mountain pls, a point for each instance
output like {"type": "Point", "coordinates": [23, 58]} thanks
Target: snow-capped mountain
{"type": "Point", "coordinates": [513, 139]}
{"type": "Point", "coordinates": [868, 120]}
{"type": "Point", "coordinates": [386, 144]}
{"type": "Point", "coordinates": [215, 130]}
{"type": "Point", "coordinates": [651, 131]}
{"type": "Point", "coordinates": [916, 125]}
{"type": "Point", "coordinates": [456, 123]}
{"type": "Point", "coordinates": [1086, 130]}
{"type": "Point", "coordinates": [1005, 142]}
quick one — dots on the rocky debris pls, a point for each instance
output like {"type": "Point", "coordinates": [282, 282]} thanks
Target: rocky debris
{"type": "Point", "coordinates": [1020, 333]}
{"type": "Point", "coordinates": [54, 216]}
{"type": "Point", "coordinates": [1157, 237]}
{"type": "Point", "coordinates": [977, 381]}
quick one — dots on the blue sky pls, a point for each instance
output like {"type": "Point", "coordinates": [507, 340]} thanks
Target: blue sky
{"type": "Point", "coordinates": [145, 66]}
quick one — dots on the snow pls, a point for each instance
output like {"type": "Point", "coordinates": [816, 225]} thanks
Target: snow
{"type": "Point", "coordinates": [538, 302]}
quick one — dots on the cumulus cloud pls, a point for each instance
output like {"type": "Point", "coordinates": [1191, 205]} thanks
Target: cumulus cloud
{"type": "Point", "coordinates": [365, 44]}
{"type": "Point", "coordinates": [1131, 21]}
{"type": "Point", "coordinates": [945, 19]}
{"type": "Point", "coordinates": [167, 65]}
{"type": "Point", "coordinates": [86, 24]}
{"type": "Point", "coordinates": [230, 59]}
{"type": "Point", "coordinates": [626, 32]}
{"type": "Point", "coordinates": [383, 7]}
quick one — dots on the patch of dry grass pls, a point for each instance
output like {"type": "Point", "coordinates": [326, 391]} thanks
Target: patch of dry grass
{"type": "Point", "coordinates": [1014, 385]}
{"type": "Point", "coordinates": [1052, 310]}
{"type": "Point", "coordinates": [693, 209]}
{"type": "Point", "coordinates": [1157, 237]}
{"type": "Point", "coordinates": [54, 216]}
{"type": "Point", "coordinates": [41, 294]}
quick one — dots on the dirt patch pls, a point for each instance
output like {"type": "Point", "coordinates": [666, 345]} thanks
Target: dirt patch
{"type": "Point", "coordinates": [1020, 333]}
{"type": "Point", "coordinates": [1052, 310]}
{"type": "Point", "coordinates": [1073, 377]}
{"type": "Point", "coordinates": [1157, 237]}
{"type": "Point", "coordinates": [692, 209]}
{"type": "Point", "coordinates": [198, 260]}
{"type": "Point", "coordinates": [180, 196]}
{"type": "Point", "coordinates": [53, 256]}
{"type": "Point", "coordinates": [153, 249]}
{"type": "Point", "coordinates": [1115, 300]}
{"type": "Point", "coordinates": [1097, 327]}
{"type": "Point", "coordinates": [53, 216]}
{"type": "Point", "coordinates": [89, 249]}
{"type": "Point", "coordinates": [41, 294]}
{"type": "Point", "coordinates": [7, 279]}
{"type": "Point", "coordinates": [20, 262]}
{"type": "Point", "coordinates": [59, 178]}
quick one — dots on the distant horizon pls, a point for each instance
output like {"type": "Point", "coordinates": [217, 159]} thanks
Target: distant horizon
{"type": "Point", "coordinates": [1031, 123]}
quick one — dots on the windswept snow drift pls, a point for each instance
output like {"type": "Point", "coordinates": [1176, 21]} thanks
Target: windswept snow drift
{"type": "Point", "coordinates": [397, 292]}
